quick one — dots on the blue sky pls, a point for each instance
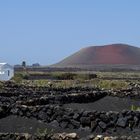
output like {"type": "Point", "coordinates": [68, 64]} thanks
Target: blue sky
{"type": "Point", "coordinates": [46, 31]}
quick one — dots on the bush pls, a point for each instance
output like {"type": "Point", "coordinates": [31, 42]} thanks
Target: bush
{"type": "Point", "coordinates": [44, 133]}
{"type": "Point", "coordinates": [63, 76]}
{"type": "Point", "coordinates": [85, 76]}
{"type": "Point", "coordinates": [135, 108]}
{"type": "Point", "coordinates": [72, 76]}
{"type": "Point", "coordinates": [18, 77]}
{"type": "Point", "coordinates": [110, 84]}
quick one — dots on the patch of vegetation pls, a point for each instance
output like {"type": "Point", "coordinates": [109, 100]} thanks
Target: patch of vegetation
{"type": "Point", "coordinates": [135, 108]}
{"type": "Point", "coordinates": [106, 84]}
{"type": "Point", "coordinates": [42, 83]}
{"type": "Point", "coordinates": [118, 74]}
{"type": "Point", "coordinates": [18, 77]}
{"type": "Point", "coordinates": [111, 84]}
{"type": "Point", "coordinates": [63, 76]}
{"type": "Point", "coordinates": [44, 133]}
{"type": "Point", "coordinates": [72, 76]}
{"type": "Point", "coordinates": [76, 79]}
{"type": "Point", "coordinates": [85, 76]}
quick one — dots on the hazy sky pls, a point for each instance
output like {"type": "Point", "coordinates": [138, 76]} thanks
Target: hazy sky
{"type": "Point", "coordinates": [47, 31]}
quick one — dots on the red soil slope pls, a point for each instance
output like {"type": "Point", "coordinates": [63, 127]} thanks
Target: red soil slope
{"type": "Point", "coordinates": [107, 54]}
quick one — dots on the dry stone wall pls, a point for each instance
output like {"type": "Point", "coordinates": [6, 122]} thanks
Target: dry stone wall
{"type": "Point", "coordinates": [45, 104]}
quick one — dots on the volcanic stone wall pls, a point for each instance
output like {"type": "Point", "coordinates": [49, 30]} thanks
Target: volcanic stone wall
{"type": "Point", "coordinates": [68, 118]}
{"type": "Point", "coordinates": [48, 108]}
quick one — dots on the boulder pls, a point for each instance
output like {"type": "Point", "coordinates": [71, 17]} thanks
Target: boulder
{"type": "Point", "coordinates": [93, 125]}
{"type": "Point", "coordinates": [102, 125]}
{"type": "Point", "coordinates": [43, 116]}
{"type": "Point", "coordinates": [54, 123]}
{"type": "Point", "coordinates": [122, 122]}
{"type": "Point", "coordinates": [64, 124]}
{"type": "Point", "coordinates": [85, 121]}
{"type": "Point", "coordinates": [75, 123]}
{"type": "Point", "coordinates": [76, 116]}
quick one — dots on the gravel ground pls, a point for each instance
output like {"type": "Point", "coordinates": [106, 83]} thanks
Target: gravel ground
{"type": "Point", "coordinates": [107, 103]}
{"type": "Point", "coordinates": [14, 124]}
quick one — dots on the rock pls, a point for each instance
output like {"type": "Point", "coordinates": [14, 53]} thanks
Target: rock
{"type": "Point", "coordinates": [70, 126]}
{"type": "Point", "coordinates": [130, 138]}
{"type": "Point", "coordinates": [102, 125]}
{"type": "Point", "coordinates": [58, 118]}
{"type": "Point", "coordinates": [76, 116]}
{"type": "Point", "coordinates": [66, 118]}
{"type": "Point", "coordinates": [43, 116]}
{"type": "Point", "coordinates": [98, 137]}
{"type": "Point", "coordinates": [86, 113]}
{"type": "Point", "coordinates": [58, 111]}
{"type": "Point", "coordinates": [93, 125]}
{"type": "Point", "coordinates": [54, 123]}
{"type": "Point", "coordinates": [91, 137]}
{"type": "Point", "coordinates": [72, 135]}
{"type": "Point", "coordinates": [49, 112]}
{"type": "Point", "coordinates": [136, 120]}
{"type": "Point", "coordinates": [65, 136]}
{"type": "Point", "coordinates": [123, 137]}
{"type": "Point", "coordinates": [122, 122]}
{"type": "Point", "coordinates": [64, 124]}
{"type": "Point", "coordinates": [21, 113]}
{"type": "Point", "coordinates": [28, 114]}
{"type": "Point", "coordinates": [69, 112]}
{"type": "Point", "coordinates": [113, 116]}
{"type": "Point", "coordinates": [56, 137]}
{"type": "Point", "coordinates": [27, 136]}
{"type": "Point", "coordinates": [75, 123]}
{"type": "Point", "coordinates": [109, 138]}
{"type": "Point", "coordinates": [11, 137]}
{"type": "Point", "coordinates": [104, 118]}
{"type": "Point", "coordinates": [86, 129]}
{"type": "Point", "coordinates": [131, 124]}
{"type": "Point", "coordinates": [15, 111]}
{"type": "Point", "coordinates": [85, 121]}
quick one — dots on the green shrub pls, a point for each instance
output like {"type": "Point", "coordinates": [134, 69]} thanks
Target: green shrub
{"type": "Point", "coordinates": [85, 76]}
{"type": "Point", "coordinates": [18, 77]}
{"type": "Point", "coordinates": [110, 84]}
{"type": "Point", "coordinates": [135, 108]}
{"type": "Point", "coordinates": [63, 76]}
{"type": "Point", "coordinates": [43, 132]}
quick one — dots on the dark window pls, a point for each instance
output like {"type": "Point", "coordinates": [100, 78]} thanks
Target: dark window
{"type": "Point", "coordinates": [8, 72]}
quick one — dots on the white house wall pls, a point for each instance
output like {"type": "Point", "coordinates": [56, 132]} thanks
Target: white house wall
{"type": "Point", "coordinates": [4, 73]}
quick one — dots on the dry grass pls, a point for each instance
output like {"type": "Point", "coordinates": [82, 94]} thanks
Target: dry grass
{"type": "Point", "coordinates": [81, 79]}
{"type": "Point", "coordinates": [118, 74]}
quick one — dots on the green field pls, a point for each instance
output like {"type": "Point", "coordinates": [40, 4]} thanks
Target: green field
{"type": "Point", "coordinates": [106, 80]}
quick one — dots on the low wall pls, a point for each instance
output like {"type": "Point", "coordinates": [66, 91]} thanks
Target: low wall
{"type": "Point", "coordinates": [95, 121]}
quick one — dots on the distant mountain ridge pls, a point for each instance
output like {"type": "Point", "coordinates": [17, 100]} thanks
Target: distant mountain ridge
{"type": "Point", "coordinates": [103, 55]}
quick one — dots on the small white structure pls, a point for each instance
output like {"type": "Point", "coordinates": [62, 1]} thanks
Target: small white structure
{"type": "Point", "coordinates": [6, 72]}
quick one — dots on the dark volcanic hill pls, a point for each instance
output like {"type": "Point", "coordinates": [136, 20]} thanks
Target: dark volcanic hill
{"type": "Point", "coordinates": [107, 54]}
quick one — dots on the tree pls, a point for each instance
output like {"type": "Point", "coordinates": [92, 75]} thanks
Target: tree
{"type": "Point", "coordinates": [24, 64]}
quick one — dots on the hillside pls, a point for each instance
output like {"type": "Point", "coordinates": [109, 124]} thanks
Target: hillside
{"type": "Point", "coordinates": [106, 57]}
{"type": "Point", "coordinates": [114, 54]}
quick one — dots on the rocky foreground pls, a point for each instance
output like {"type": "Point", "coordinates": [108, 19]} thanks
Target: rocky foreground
{"type": "Point", "coordinates": [46, 105]}
{"type": "Point", "coordinates": [61, 136]}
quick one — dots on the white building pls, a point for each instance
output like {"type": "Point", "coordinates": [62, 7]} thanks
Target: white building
{"type": "Point", "coordinates": [6, 72]}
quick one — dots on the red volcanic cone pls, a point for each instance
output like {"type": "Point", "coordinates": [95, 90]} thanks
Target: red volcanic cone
{"type": "Point", "coordinates": [107, 54]}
